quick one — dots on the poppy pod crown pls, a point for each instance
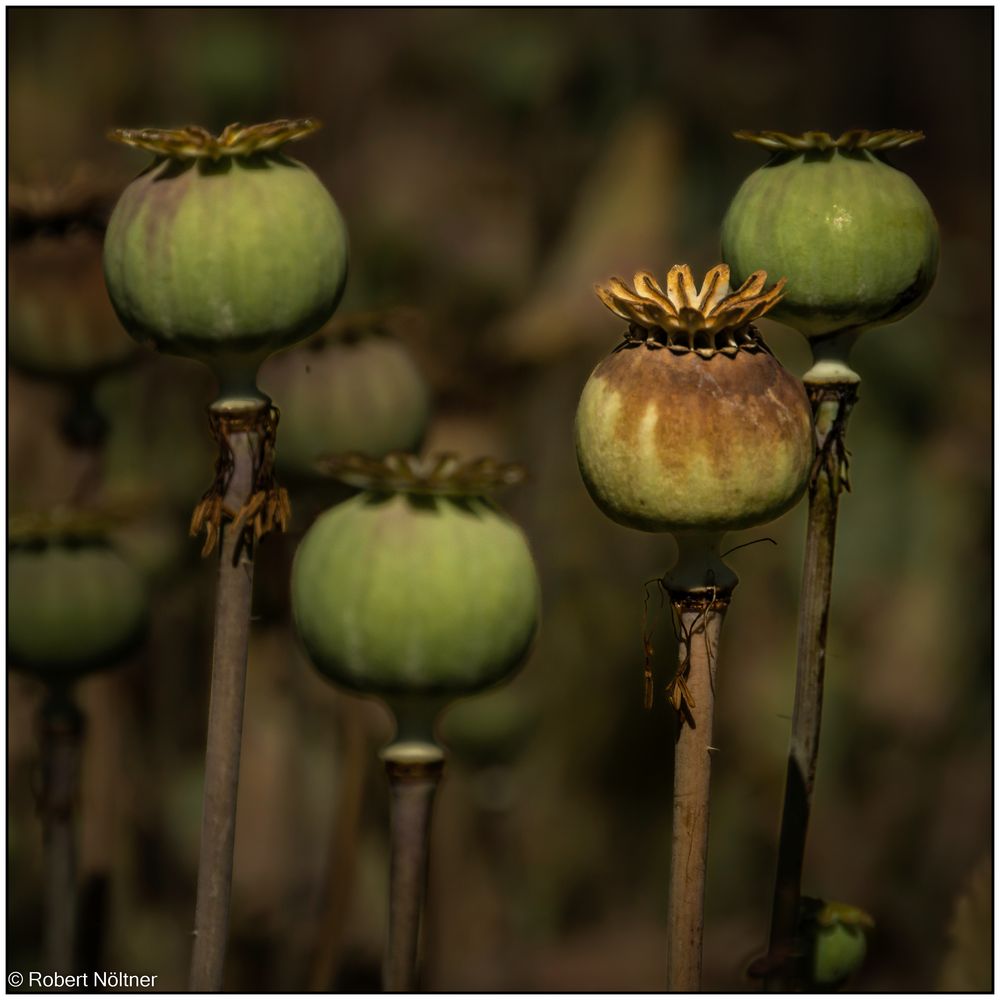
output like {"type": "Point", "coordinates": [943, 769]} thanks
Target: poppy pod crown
{"type": "Point", "coordinates": [684, 318]}
{"type": "Point", "coordinates": [192, 142]}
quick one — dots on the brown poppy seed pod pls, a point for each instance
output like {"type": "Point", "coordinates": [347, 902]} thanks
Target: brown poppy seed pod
{"type": "Point", "coordinates": [691, 424]}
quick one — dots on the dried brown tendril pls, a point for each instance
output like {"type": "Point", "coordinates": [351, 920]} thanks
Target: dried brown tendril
{"type": "Point", "coordinates": [192, 142]}
{"type": "Point", "coordinates": [683, 318]}
{"type": "Point", "coordinates": [441, 474]}
{"type": "Point", "coordinates": [678, 693]}
{"type": "Point", "coordinates": [856, 138]}
{"type": "Point", "coordinates": [267, 508]}
{"type": "Point", "coordinates": [832, 456]}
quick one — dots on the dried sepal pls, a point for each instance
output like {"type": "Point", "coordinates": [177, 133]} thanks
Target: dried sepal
{"type": "Point", "coordinates": [680, 698]}
{"type": "Point", "coordinates": [267, 509]}
{"type": "Point", "coordinates": [207, 518]}
{"type": "Point", "coordinates": [891, 138]}
{"type": "Point", "coordinates": [682, 317]}
{"type": "Point", "coordinates": [442, 474]}
{"type": "Point", "coordinates": [192, 142]}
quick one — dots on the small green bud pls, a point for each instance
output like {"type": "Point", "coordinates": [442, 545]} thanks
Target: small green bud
{"type": "Point", "coordinates": [837, 932]}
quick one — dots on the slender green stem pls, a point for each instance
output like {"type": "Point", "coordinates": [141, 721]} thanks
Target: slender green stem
{"type": "Point", "coordinates": [225, 714]}
{"type": "Point", "coordinates": [61, 739]}
{"type": "Point", "coordinates": [700, 614]}
{"type": "Point", "coordinates": [414, 771]}
{"type": "Point", "coordinates": [832, 402]}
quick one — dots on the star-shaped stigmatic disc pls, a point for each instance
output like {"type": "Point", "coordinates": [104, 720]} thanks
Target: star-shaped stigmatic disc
{"type": "Point", "coordinates": [710, 320]}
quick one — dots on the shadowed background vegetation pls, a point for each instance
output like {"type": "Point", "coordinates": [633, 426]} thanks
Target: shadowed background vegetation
{"type": "Point", "coordinates": [491, 167]}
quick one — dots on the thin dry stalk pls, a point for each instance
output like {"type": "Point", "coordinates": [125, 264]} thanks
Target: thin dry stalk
{"type": "Point", "coordinates": [61, 739]}
{"type": "Point", "coordinates": [225, 714]}
{"type": "Point", "coordinates": [343, 850]}
{"type": "Point", "coordinates": [700, 614]}
{"type": "Point", "coordinates": [832, 404]}
{"type": "Point", "coordinates": [103, 700]}
{"type": "Point", "coordinates": [85, 430]}
{"type": "Point", "coordinates": [411, 787]}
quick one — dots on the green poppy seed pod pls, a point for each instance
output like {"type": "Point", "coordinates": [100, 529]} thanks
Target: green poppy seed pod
{"type": "Point", "coordinates": [691, 424]}
{"type": "Point", "coordinates": [491, 728]}
{"type": "Point", "coordinates": [225, 250]}
{"type": "Point", "coordinates": [62, 326]}
{"type": "Point", "coordinates": [418, 587]}
{"type": "Point", "coordinates": [356, 389]}
{"type": "Point", "coordinates": [855, 237]}
{"type": "Point", "coordinates": [75, 605]}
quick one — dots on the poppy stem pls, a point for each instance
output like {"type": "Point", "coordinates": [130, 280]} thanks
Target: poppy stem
{"type": "Point", "coordinates": [342, 853]}
{"type": "Point", "coordinates": [225, 713]}
{"type": "Point", "coordinates": [61, 740]}
{"type": "Point", "coordinates": [413, 780]}
{"type": "Point", "coordinates": [832, 402]}
{"type": "Point", "coordinates": [700, 613]}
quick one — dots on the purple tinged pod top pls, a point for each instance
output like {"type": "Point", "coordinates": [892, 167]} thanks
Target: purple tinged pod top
{"type": "Point", "coordinates": [224, 249]}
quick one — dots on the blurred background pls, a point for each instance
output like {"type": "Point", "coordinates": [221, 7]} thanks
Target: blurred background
{"type": "Point", "coordinates": [491, 166]}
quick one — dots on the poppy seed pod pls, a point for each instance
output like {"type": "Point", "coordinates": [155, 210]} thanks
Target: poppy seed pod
{"type": "Point", "coordinates": [75, 604]}
{"type": "Point", "coordinates": [352, 389]}
{"type": "Point", "coordinates": [224, 249]}
{"type": "Point", "coordinates": [492, 728]}
{"type": "Point", "coordinates": [855, 237]}
{"type": "Point", "coordinates": [62, 326]}
{"type": "Point", "coordinates": [418, 587]}
{"type": "Point", "coordinates": [691, 424]}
